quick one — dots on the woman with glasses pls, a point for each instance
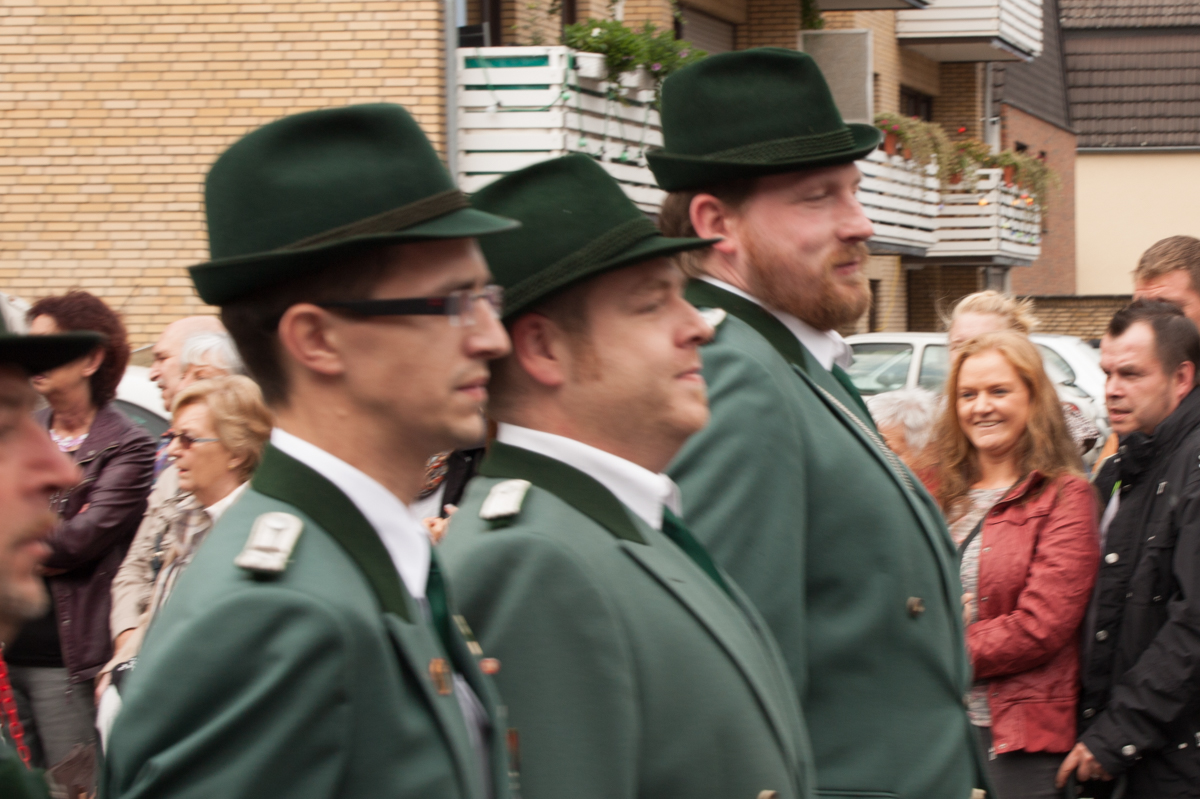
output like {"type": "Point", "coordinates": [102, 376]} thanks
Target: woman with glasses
{"type": "Point", "coordinates": [218, 430]}
{"type": "Point", "coordinates": [55, 659]}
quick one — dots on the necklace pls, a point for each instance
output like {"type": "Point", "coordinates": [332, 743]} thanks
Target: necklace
{"type": "Point", "coordinates": [67, 443]}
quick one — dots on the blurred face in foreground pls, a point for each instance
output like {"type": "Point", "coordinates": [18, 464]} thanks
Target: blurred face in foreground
{"type": "Point", "coordinates": [31, 470]}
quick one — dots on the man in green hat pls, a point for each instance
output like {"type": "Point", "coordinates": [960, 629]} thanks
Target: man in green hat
{"type": "Point", "coordinates": [790, 485]}
{"type": "Point", "coordinates": [308, 650]}
{"type": "Point", "coordinates": [631, 664]}
{"type": "Point", "coordinates": [32, 471]}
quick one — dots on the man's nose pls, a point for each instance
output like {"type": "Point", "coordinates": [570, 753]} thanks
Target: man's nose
{"type": "Point", "coordinates": [855, 226]}
{"type": "Point", "coordinates": [487, 338]}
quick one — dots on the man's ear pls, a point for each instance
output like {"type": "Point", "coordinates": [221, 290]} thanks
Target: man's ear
{"type": "Point", "coordinates": [713, 219]}
{"type": "Point", "coordinates": [540, 347]}
{"type": "Point", "coordinates": [307, 333]}
{"type": "Point", "coordinates": [1185, 379]}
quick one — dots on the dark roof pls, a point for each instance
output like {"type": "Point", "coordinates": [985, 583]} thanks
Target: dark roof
{"type": "Point", "coordinates": [1128, 13]}
{"type": "Point", "coordinates": [1038, 87]}
{"type": "Point", "coordinates": [1134, 88]}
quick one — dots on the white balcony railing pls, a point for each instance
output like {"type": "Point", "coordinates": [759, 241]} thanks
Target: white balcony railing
{"type": "Point", "coordinates": [521, 105]}
{"type": "Point", "coordinates": [901, 200]}
{"type": "Point", "coordinates": [989, 221]}
{"type": "Point", "coordinates": [973, 30]}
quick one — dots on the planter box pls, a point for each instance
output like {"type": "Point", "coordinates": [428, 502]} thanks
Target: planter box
{"type": "Point", "coordinates": [992, 221]}
{"type": "Point", "coordinates": [521, 105]}
{"type": "Point", "coordinates": [901, 199]}
{"type": "Point", "coordinates": [973, 30]}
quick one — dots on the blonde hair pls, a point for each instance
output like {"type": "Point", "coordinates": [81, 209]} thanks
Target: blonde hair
{"type": "Point", "coordinates": [1017, 314]}
{"type": "Point", "coordinates": [239, 414]}
{"type": "Point", "coordinates": [1045, 445]}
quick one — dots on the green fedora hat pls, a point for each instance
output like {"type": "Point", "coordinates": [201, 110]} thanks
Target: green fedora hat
{"type": "Point", "coordinates": [750, 113]}
{"type": "Point", "coordinates": [37, 354]}
{"type": "Point", "coordinates": [293, 191]}
{"type": "Point", "coordinates": [576, 222]}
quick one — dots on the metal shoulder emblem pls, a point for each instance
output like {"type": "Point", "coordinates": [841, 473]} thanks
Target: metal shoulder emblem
{"type": "Point", "coordinates": [269, 547]}
{"type": "Point", "coordinates": [504, 500]}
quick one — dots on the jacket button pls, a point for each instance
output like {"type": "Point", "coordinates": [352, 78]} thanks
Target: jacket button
{"type": "Point", "coordinates": [1089, 712]}
{"type": "Point", "coordinates": [1102, 635]}
{"type": "Point", "coordinates": [1158, 599]}
{"type": "Point", "coordinates": [915, 605]}
{"type": "Point", "coordinates": [1129, 750]}
{"type": "Point", "coordinates": [1111, 557]}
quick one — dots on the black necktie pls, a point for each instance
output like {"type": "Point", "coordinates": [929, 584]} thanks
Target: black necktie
{"type": "Point", "coordinates": [674, 529]}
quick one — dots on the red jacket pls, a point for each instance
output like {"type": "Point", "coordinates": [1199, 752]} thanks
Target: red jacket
{"type": "Point", "coordinates": [1038, 558]}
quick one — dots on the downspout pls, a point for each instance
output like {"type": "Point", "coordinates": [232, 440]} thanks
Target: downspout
{"type": "Point", "coordinates": [450, 17]}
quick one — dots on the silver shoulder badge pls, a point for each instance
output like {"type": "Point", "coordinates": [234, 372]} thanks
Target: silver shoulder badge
{"type": "Point", "coordinates": [714, 316]}
{"type": "Point", "coordinates": [504, 499]}
{"type": "Point", "coordinates": [269, 547]}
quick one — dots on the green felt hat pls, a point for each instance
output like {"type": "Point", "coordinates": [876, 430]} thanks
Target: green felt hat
{"type": "Point", "coordinates": [285, 196]}
{"type": "Point", "coordinates": [750, 113]}
{"type": "Point", "coordinates": [576, 222]}
{"type": "Point", "coordinates": [37, 354]}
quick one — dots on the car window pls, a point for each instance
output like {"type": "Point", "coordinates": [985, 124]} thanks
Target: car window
{"type": "Point", "coordinates": [880, 367]}
{"type": "Point", "coordinates": [149, 421]}
{"type": "Point", "coordinates": [1057, 369]}
{"type": "Point", "coordinates": [934, 368]}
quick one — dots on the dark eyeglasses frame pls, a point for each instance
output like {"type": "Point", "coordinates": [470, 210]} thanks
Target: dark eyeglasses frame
{"type": "Point", "coordinates": [459, 305]}
{"type": "Point", "coordinates": [185, 440]}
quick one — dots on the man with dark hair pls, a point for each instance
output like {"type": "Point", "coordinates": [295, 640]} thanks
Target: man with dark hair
{"type": "Point", "coordinates": [309, 650]}
{"type": "Point", "coordinates": [1170, 270]}
{"type": "Point", "coordinates": [632, 666]}
{"type": "Point", "coordinates": [1140, 707]}
{"type": "Point", "coordinates": [790, 486]}
{"type": "Point", "coordinates": [32, 471]}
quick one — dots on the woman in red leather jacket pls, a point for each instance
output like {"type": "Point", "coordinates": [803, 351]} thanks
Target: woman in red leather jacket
{"type": "Point", "coordinates": [1010, 482]}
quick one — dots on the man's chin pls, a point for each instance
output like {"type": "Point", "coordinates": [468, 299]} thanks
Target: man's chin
{"type": "Point", "coordinates": [23, 604]}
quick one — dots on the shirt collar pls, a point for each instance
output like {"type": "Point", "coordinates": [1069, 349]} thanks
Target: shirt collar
{"type": "Point", "coordinates": [827, 346]}
{"type": "Point", "coordinates": [406, 539]}
{"type": "Point", "coordinates": [215, 510]}
{"type": "Point", "coordinates": [641, 490]}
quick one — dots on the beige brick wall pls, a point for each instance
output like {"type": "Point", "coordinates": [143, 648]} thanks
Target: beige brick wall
{"type": "Point", "coordinates": [959, 103]}
{"type": "Point", "coordinates": [920, 73]}
{"type": "Point", "coordinates": [111, 114]}
{"type": "Point", "coordinates": [770, 23]}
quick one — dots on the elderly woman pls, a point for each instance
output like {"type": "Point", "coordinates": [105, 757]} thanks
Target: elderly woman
{"type": "Point", "coordinates": [218, 431]}
{"type": "Point", "coordinates": [54, 660]}
{"type": "Point", "coordinates": [905, 419]}
{"type": "Point", "coordinates": [1009, 479]}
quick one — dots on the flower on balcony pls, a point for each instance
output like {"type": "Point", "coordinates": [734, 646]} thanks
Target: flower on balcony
{"type": "Point", "coordinates": [655, 67]}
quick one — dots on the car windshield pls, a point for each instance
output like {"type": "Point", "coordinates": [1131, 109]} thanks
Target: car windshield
{"type": "Point", "coordinates": [935, 368]}
{"type": "Point", "coordinates": [880, 367]}
{"type": "Point", "coordinates": [1057, 369]}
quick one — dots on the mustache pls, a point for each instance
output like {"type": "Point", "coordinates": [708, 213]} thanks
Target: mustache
{"type": "Point", "coordinates": [858, 251]}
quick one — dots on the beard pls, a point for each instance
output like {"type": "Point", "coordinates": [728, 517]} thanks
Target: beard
{"type": "Point", "coordinates": [23, 597]}
{"type": "Point", "coordinates": [820, 298]}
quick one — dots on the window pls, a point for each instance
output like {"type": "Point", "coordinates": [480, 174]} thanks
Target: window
{"type": "Point", "coordinates": [879, 367]}
{"type": "Point", "coordinates": [916, 104]}
{"type": "Point", "coordinates": [935, 368]}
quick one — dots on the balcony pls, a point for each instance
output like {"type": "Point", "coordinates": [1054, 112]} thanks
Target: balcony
{"type": "Point", "coordinates": [521, 105]}
{"type": "Point", "coordinates": [973, 30]}
{"type": "Point", "coordinates": [991, 224]}
{"type": "Point", "coordinates": [901, 200]}
{"type": "Point", "coordinates": [869, 5]}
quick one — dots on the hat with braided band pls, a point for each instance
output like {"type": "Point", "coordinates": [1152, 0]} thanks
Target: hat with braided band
{"type": "Point", "coordinates": [287, 197]}
{"type": "Point", "coordinates": [751, 113]}
{"type": "Point", "coordinates": [576, 222]}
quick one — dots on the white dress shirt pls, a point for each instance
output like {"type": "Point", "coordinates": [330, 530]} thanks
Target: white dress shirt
{"type": "Point", "coordinates": [641, 490]}
{"type": "Point", "coordinates": [405, 538]}
{"type": "Point", "coordinates": [215, 510]}
{"type": "Point", "coordinates": [827, 346]}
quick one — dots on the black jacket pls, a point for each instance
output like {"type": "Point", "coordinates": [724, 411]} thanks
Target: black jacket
{"type": "Point", "coordinates": [1141, 669]}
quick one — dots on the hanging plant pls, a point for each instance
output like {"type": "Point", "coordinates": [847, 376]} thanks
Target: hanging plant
{"type": "Point", "coordinates": [662, 54]}
{"type": "Point", "coordinates": [916, 140]}
{"type": "Point", "coordinates": [1029, 173]}
{"type": "Point", "coordinates": [810, 16]}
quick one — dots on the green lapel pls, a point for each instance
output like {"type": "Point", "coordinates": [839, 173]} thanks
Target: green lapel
{"type": "Point", "coordinates": [703, 294]}
{"type": "Point", "coordinates": [283, 477]}
{"type": "Point", "coordinates": [567, 483]}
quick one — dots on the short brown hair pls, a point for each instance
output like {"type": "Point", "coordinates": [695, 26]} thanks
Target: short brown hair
{"type": "Point", "coordinates": [79, 310]}
{"type": "Point", "coordinates": [675, 218]}
{"type": "Point", "coordinates": [1171, 255]}
{"type": "Point", "coordinates": [253, 320]}
{"type": "Point", "coordinates": [242, 421]}
{"type": "Point", "coordinates": [1175, 336]}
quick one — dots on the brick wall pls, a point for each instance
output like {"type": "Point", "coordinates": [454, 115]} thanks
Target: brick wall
{"type": "Point", "coordinates": [1086, 317]}
{"type": "Point", "coordinates": [111, 115]}
{"type": "Point", "coordinates": [1054, 271]}
{"type": "Point", "coordinates": [959, 103]}
{"type": "Point", "coordinates": [770, 23]}
{"type": "Point", "coordinates": [933, 291]}
{"type": "Point", "coordinates": [920, 73]}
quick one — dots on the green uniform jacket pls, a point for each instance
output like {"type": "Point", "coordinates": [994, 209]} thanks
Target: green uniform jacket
{"type": "Point", "coordinates": [316, 682]}
{"type": "Point", "coordinates": [627, 670]}
{"type": "Point", "coordinates": [845, 555]}
{"type": "Point", "coordinates": [16, 781]}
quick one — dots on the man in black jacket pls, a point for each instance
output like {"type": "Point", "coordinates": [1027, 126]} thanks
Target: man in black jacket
{"type": "Point", "coordinates": [1140, 709]}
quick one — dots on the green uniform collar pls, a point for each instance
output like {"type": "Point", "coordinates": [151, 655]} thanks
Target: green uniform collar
{"type": "Point", "coordinates": [284, 478]}
{"type": "Point", "coordinates": [703, 294]}
{"type": "Point", "coordinates": [572, 486]}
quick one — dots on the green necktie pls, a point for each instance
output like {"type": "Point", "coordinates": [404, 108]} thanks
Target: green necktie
{"type": "Point", "coordinates": [840, 374]}
{"type": "Point", "coordinates": [439, 610]}
{"type": "Point", "coordinates": [674, 529]}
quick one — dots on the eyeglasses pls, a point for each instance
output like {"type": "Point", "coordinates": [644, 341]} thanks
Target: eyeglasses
{"type": "Point", "coordinates": [459, 305]}
{"type": "Point", "coordinates": [186, 441]}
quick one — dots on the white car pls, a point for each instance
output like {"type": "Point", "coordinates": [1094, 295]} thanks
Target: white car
{"type": "Point", "coordinates": [891, 361]}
